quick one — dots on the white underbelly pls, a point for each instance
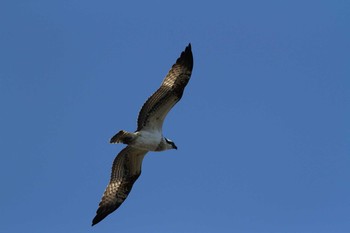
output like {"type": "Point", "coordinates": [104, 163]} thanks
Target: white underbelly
{"type": "Point", "coordinates": [148, 140]}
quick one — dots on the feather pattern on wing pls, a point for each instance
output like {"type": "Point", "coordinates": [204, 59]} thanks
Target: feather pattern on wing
{"type": "Point", "coordinates": [125, 171]}
{"type": "Point", "coordinates": [127, 165]}
{"type": "Point", "coordinates": [157, 106]}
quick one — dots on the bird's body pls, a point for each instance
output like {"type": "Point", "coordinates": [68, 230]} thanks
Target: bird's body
{"type": "Point", "coordinates": [150, 141]}
{"type": "Point", "coordinates": [143, 139]}
{"type": "Point", "coordinates": [148, 136]}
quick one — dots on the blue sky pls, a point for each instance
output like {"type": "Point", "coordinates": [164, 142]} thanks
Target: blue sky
{"type": "Point", "coordinates": [263, 128]}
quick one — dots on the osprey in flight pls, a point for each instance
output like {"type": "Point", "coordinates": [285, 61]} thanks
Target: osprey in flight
{"type": "Point", "coordinates": [148, 136]}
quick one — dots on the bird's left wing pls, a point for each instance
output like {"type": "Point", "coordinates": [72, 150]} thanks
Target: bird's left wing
{"type": "Point", "coordinates": [155, 109]}
{"type": "Point", "coordinates": [125, 171]}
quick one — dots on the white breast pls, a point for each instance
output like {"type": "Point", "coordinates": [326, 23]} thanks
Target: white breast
{"type": "Point", "coordinates": [148, 140]}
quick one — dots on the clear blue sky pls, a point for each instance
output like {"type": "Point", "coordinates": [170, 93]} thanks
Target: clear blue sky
{"type": "Point", "coordinates": [263, 128]}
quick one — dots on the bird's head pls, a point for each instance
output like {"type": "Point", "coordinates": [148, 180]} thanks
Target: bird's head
{"type": "Point", "coordinates": [170, 144]}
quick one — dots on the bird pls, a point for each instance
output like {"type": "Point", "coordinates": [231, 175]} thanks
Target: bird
{"type": "Point", "coordinates": [126, 166]}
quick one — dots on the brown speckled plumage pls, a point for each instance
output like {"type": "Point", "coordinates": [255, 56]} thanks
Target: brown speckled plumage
{"type": "Point", "coordinates": [169, 93]}
{"type": "Point", "coordinates": [127, 165]}
{"type": "Point", "coordinates": [125, 171]}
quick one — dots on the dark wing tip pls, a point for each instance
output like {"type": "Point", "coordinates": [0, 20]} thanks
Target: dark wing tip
{"type": "Point", "coordinates": [101, 213]}
{"type": "Point", "coordinates": [186, 58]}
{"type": "Point", "coordinates": [96, 220]}
{"type": "Point", "coordinates": [99, 216]}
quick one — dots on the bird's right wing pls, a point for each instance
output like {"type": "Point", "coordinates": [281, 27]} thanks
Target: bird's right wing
{"type": "Point", "coordinates": [125, 171]}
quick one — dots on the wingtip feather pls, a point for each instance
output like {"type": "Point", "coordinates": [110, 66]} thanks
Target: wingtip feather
{"type": "Point", "coordinates": [186, 57]}
{"type": "Point", "coordinates": [99, 217]}
{"type": "Point", "coordinates": [94, 222]}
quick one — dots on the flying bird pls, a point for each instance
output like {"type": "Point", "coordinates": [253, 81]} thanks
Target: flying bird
{"type": "Point", "coordinates": [148, 136]}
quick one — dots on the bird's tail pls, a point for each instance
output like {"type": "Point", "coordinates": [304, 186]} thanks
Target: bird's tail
{"type": "Point", "coordinates": [122, 137]}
